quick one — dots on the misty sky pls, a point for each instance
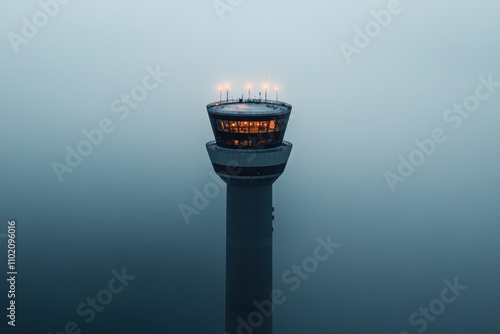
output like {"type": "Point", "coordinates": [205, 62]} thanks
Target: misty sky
{"type": "Point", "coordinates": [354, 118]}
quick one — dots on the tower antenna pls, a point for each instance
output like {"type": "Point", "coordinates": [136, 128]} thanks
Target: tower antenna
{"type": "Point", "coordinates": [266, 86]}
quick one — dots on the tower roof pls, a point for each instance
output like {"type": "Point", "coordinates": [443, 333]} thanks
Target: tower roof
{"type": "Point", "coordinates": [254, 107]}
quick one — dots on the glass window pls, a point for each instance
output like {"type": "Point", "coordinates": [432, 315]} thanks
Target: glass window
{"type": "Point", "coordinates": [263, 127]}
{"type": "Point", "coordinates": [232, 127]}
{"type": "Point", "coordinates": [254, 127]}
{"type": "Point", "coordinates": [223, 126]}
{"type": "Point", "coordinates": [272, 126]}
{"type": "Point", "coordinates": [250, 126]}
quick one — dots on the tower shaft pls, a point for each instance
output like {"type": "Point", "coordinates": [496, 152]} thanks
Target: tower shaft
{"type": "Point", "coordinates": [249, 251]}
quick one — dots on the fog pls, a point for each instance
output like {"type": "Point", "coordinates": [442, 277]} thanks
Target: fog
{"type": "Point", "coordinates": [385, 160]}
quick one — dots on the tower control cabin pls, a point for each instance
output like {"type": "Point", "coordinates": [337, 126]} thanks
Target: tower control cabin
{"type": "Point", "coordinates": [249, 154]}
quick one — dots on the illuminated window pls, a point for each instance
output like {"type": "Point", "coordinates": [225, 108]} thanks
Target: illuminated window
{"type": "Point", "coordinates": [250, 126]}
{"type": "Point", "coordinates": [233, 127]}
{"type": "Point", "coordinates": [263, 127]}
{"type": "Point", "coordinates": [254, 127]}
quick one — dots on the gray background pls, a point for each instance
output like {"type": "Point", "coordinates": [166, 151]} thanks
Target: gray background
{"type": "Point", "coordinates": [119, 208]}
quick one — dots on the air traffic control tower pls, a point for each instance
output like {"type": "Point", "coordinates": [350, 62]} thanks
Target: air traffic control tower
{"type": "Point", "coordinates": [249, 154]}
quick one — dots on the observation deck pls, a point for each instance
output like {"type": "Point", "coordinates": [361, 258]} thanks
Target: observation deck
{"type": "Point", "coordinates": [249, 149]}
{"type": "Point", "coordinates": [249, 123]}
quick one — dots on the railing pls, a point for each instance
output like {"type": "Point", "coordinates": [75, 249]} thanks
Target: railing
{"type": "Point", "coordinates": [263, 101]}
